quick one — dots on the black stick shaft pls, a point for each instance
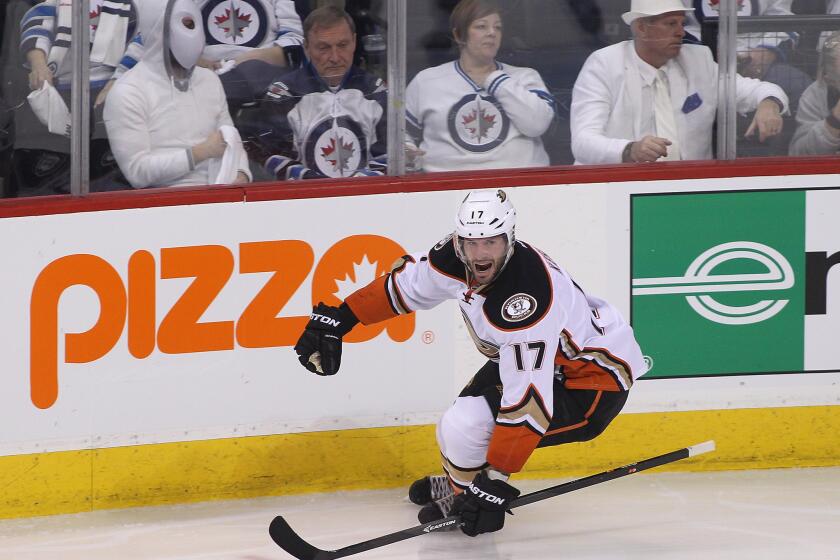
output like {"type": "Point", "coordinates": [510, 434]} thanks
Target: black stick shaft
{"type": "Point", "coordinates": [288, 540]}
{"type": "Point", "coordinates": [588, 481]}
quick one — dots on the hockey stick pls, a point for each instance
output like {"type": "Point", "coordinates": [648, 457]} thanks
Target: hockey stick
{"type": "Point", "coordinates": [286, 538]}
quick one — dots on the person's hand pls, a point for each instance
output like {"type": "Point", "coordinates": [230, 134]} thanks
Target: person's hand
{"type": "Point", "coordinates": [648, 149]}
{"type": "Point", "coordinates": [39, 71]}
{"type": "Point", "coordinates": [835, 112]}
{"type": "Point", "coordinates": [414, 157]}
{"type": "Point", "coordinates": [241, 178]}
{"type": "Point", "coordinates": [754, 63]}
{"type": "Point", "coordinates": [103, 93]}
{"type": "Point", "coordinates": [319, 346]}
{"type": "Point", "coordinates": [211, 64]}
{"type": "Point", "coordinates": [212, 147]}
{"type": "Point", "coordinates": [482, 506]}
{"type": "Point", "coordinates": [767, 121]}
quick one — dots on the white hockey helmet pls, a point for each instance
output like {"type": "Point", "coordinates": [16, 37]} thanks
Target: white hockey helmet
{"type": "Point", "coordinates": [485, 214]}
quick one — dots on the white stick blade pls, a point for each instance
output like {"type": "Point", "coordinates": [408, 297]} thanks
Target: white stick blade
{"type": "Point", "coordinates": [701, 448]}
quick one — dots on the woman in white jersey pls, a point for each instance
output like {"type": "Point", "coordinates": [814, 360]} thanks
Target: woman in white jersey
{"type": "Point", "coordinates": [476, 112]}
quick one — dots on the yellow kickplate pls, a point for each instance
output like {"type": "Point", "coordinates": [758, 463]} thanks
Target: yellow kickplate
{"type": "Point", "coordinates": [247, 467]}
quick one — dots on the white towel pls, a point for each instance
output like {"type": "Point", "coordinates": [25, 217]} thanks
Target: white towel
{"type": "Point", "coordinates": [228, 165]}
{"type": "Point", "coordinates": [50, 109]}
{"type": "Point", "coordinates": [226, 66]}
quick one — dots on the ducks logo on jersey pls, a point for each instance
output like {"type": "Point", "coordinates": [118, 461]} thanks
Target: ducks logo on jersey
{"type": "Point", "coordinates": [518, 307]}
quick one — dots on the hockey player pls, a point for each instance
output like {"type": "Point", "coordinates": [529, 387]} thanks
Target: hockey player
{"type": "Point", "coordinates": [560, 361]}
{"type": "Point", "coordinates": [326, 119]}
{"type": "Point", "coordinates": [475, 112]}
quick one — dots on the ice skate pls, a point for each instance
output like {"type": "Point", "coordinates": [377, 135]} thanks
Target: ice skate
{"type": "Point", "coordinates": [429, 489]}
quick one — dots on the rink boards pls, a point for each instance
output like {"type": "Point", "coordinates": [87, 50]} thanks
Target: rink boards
{"type": "Point", "coordinates": [148, 350]}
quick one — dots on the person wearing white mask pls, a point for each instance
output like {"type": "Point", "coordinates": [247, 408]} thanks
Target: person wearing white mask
{"type": "Point", "coordinates": [167, 118]}
{"type": "Point", "coordinates": [654, 98]}
{"type": "Point", "coordinates": [249, 43]}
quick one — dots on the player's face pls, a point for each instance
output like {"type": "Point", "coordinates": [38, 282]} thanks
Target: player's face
{"type": "Point", "coordinates": [664, 34]}
{"type": "Point", "coordinates": [484, 36]}
{"type": "Point", "coordinates": [330, 49]}
{"type": "Point", "coordinates": [485, 256]}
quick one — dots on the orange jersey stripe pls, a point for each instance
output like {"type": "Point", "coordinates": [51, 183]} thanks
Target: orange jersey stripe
{"type": "Point", "coordinates": [510, 447]}
{"type": "Point", "coordinates": [583, 374]}
{"type": "Point", "coordinates": [370, 304]}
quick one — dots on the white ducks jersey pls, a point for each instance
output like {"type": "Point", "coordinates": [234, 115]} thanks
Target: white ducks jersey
{"type": "Point", "coordinates": [534, 320]}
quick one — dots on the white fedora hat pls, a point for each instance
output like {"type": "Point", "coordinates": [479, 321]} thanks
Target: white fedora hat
{"type": "Point", "coordinates": [648, 8]}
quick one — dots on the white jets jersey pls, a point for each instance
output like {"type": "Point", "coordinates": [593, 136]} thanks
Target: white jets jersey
{"type": "Point", "coordinates": [232, 27]}
{"type": "Point", "coordinates": [329, 128]}
{"type": "Point", "coordinates": [533, 319]}
{"type": "Point", "coordinates": [464, 125]}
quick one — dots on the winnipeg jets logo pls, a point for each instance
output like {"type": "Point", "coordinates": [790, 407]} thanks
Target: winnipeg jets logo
{"type": "Point", "coordinates": [478, 123]}
{"type": "Point", "coordinates": [337, 152]}
{"type": "Point", "coordinates": [336, 148]}
{"type": "Point", "coordinates": [235, 22]}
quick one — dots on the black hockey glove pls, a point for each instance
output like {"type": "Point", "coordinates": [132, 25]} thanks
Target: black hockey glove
{"type": "Point", "coordinates": [482, 506]}
{"type": "Point", "coordinates": [319, 347]}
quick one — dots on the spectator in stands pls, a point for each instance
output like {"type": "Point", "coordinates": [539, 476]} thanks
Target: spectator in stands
{"type": "Point", "coordinates": [262, 30]}
{"type": "Point", "coordinates": [167, 119]}
{"type": "Point", "coordinates": [818, 117]}
{"type": "Point", "coordinates": [42, 156]}
{"type": "Point", "coordinates": [832, 7]}
{"type": "Point", "coordinates": [654, 98]}
{"type": "Point", "coordinates": [764, 56]}
{"type": "Point", "coordinates": [476, 112]}
{"type": "Point", "coordinates": [326, 119]}
{"type": "Point", "coordinates": [756, 51]}
{"type": "Point", "coordinates": [249, 44]}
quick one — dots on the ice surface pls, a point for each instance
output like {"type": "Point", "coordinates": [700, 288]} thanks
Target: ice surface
{"type": "Point", "coordinates": [743, 515]}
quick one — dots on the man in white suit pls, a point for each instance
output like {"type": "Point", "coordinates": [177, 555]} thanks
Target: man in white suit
{"type": "Point", "coordinates": [654, 97]}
